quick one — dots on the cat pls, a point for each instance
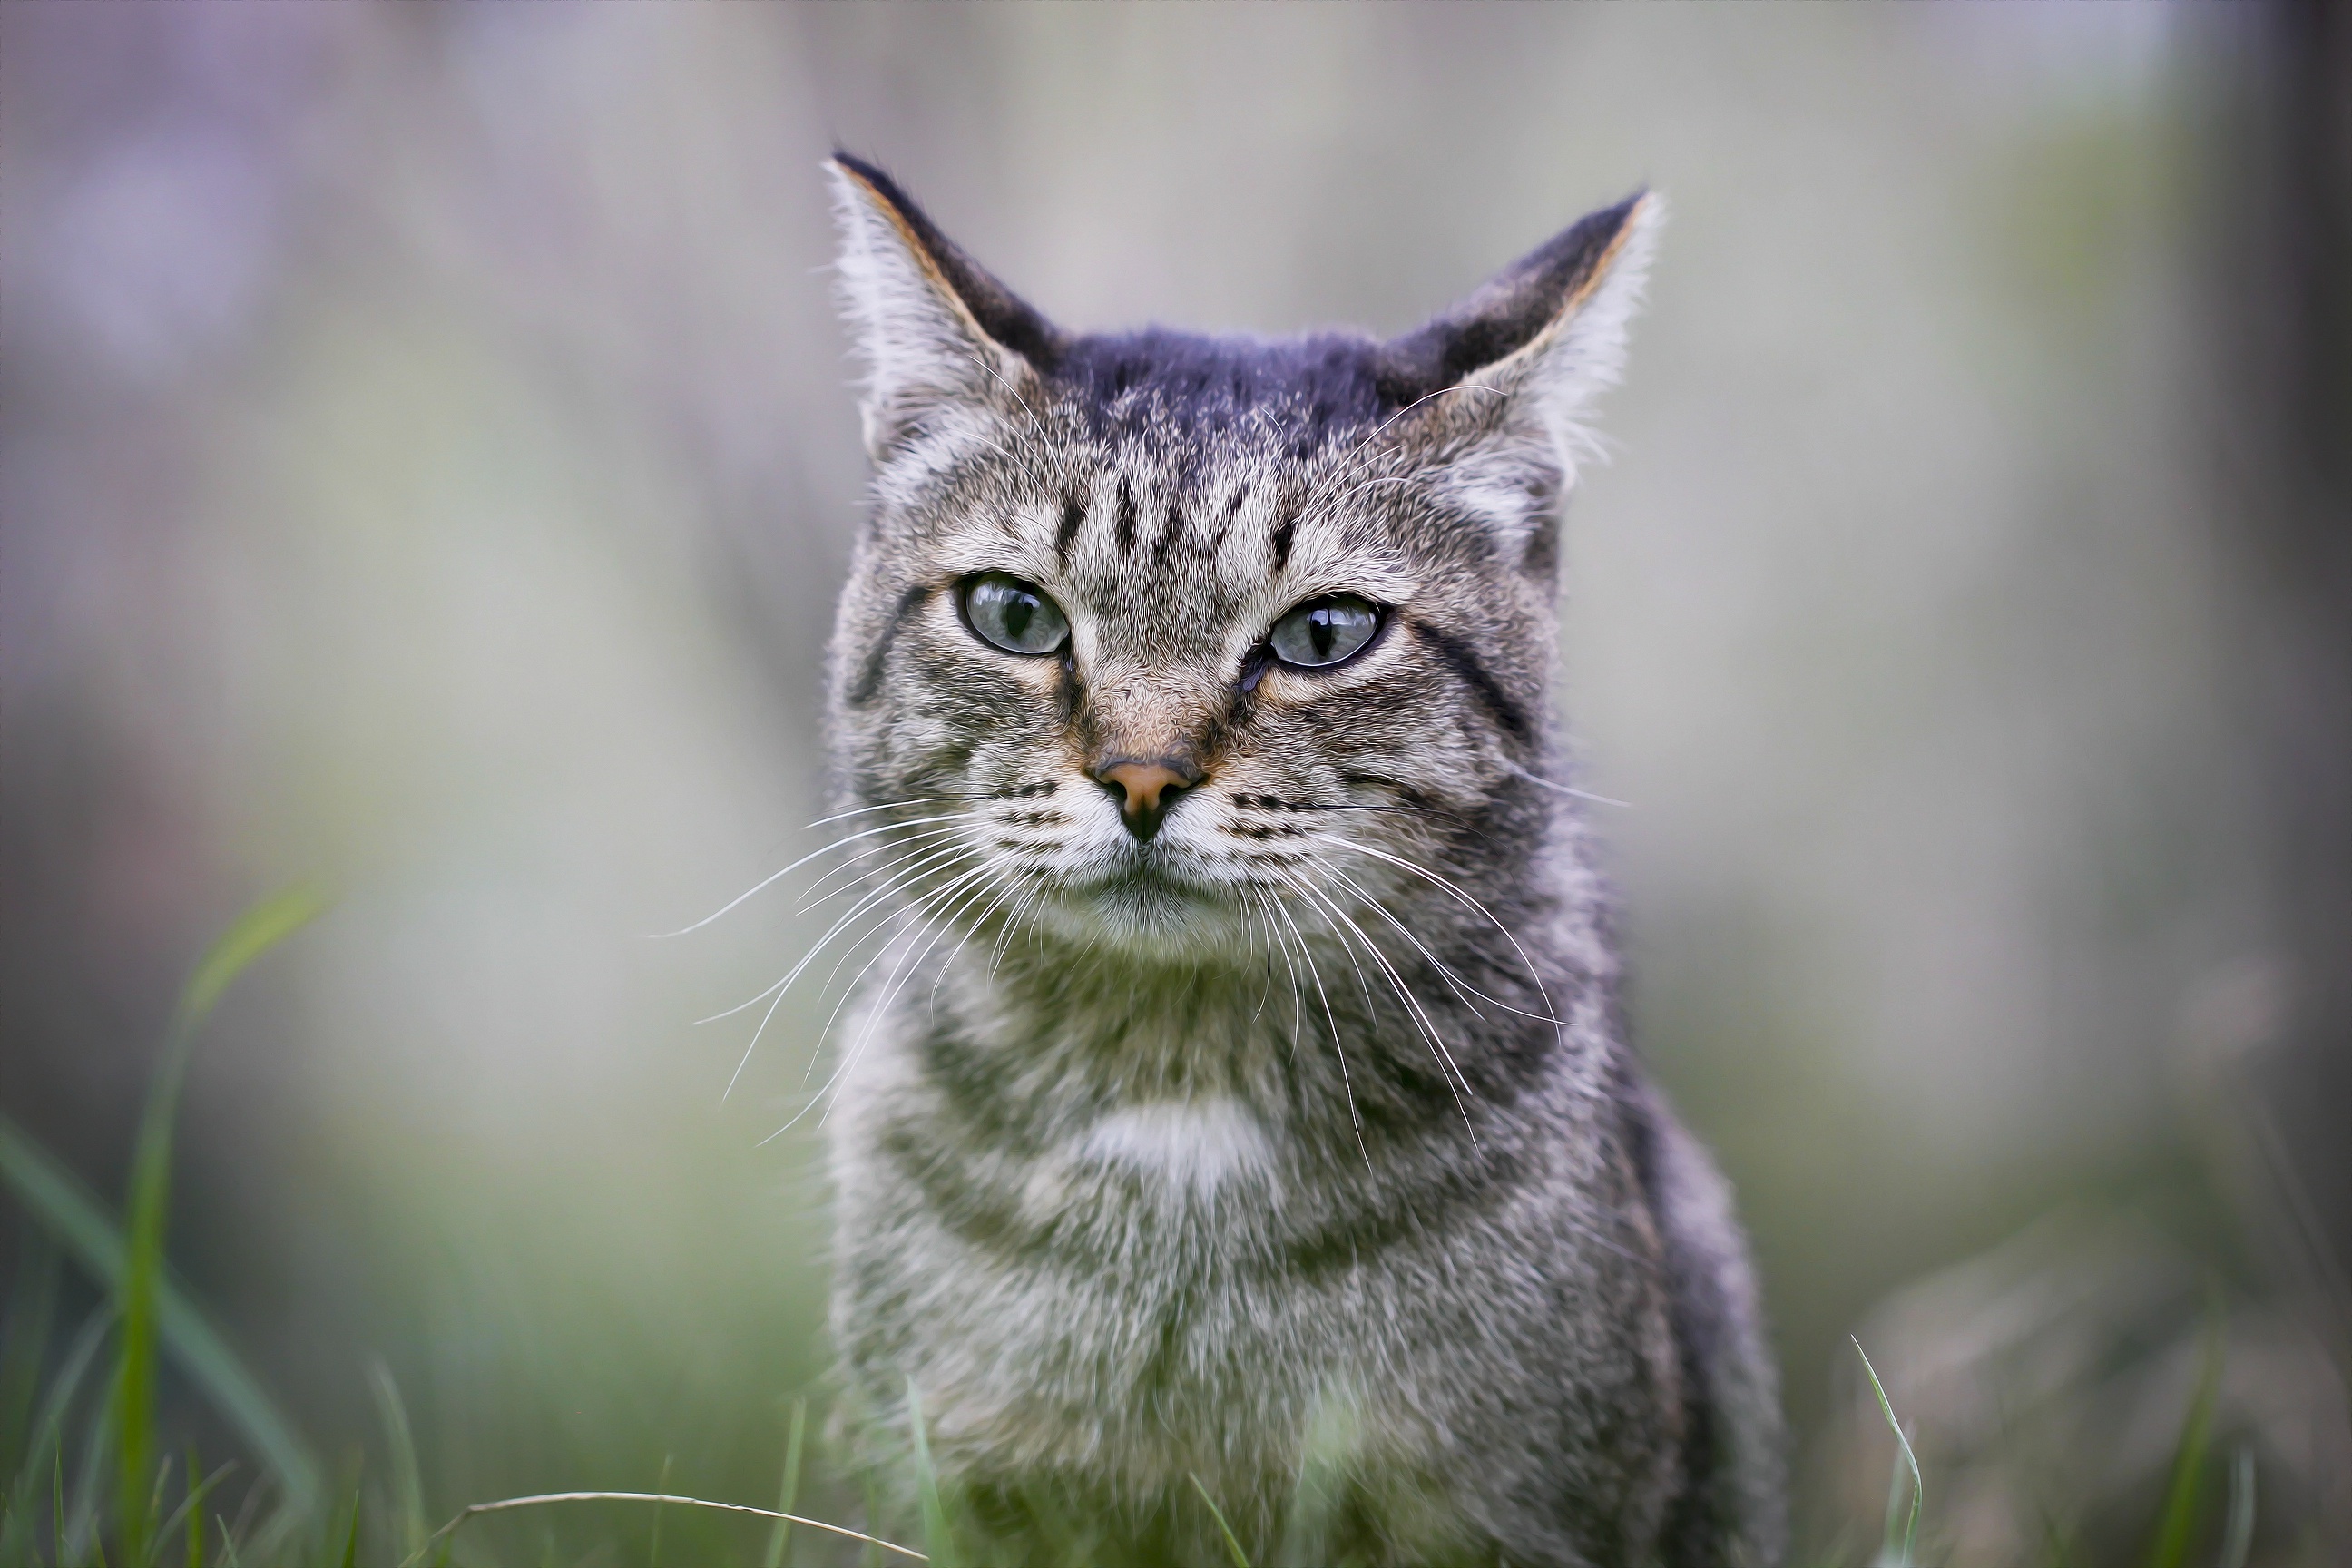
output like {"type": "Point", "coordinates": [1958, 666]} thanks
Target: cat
{"type": "Point", "coordinates": [1240, 1149]}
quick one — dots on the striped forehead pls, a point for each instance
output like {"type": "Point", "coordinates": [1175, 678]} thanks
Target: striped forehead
{"type": "Point", "coordinates": [1178, 551]}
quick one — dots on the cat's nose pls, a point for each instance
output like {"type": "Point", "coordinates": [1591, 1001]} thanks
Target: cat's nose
{"type": "Point", "coordinates": [1145, 789]}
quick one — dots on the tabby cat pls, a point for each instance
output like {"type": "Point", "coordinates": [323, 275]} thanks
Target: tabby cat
{"type": "Point", "coordinates": [1237, 1148]}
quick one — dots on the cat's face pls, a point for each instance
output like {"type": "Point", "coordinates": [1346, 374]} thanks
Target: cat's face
{"type": "Point", "coordinates": [1161, 643]}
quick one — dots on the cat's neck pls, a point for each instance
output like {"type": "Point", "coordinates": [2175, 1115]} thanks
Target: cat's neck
{"type": "Point", "coordinates": [1310, 1041]}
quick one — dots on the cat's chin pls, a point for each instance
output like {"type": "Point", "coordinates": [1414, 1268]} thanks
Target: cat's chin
{"type": "Point", "coordinates": [1151, 916]}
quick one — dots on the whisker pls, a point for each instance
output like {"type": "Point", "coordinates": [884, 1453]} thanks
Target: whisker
{"type": "Point", "coordinates": [1458, 1083]}
{"type": "Point", "coordinates": [1455, 982]}
{"type": "Point", "coordinates": [900, 974]}
{"type": "Point", "coordinates": [830, 932]}
{"type": "Point", "coordinates": [972, 928]}
{"type": "Point", "coordinates": [1261, 951]}
{"type": "Point", "coordinates": [892, 806]}
{"type": "Point", "coordinates": [1467, 902]}
{"type": "Point", "coordinates": [1276, 942]}
{"type": "Point", "coordinates": [1346, 1082]}
{"type": "Point", "coordinates": [766, 882]}
{"type": "Point", "coordinates": [905, 916]}
{"type": "Point", "coordinates": [1533, 777]}
{"type": "Point", "coordinates": [1029, 901]}
{"type": "Point", "coordinates": [935, 901]}
{"type": "Point", "coordinates": [909, 844]}
{"type": "Point", "coordinates": [808, 958]}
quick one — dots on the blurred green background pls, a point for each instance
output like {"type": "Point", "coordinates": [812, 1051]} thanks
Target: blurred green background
{"type": "Point", "coordinates": [428, 462]}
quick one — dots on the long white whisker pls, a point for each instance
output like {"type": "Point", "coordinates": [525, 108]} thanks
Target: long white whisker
{"type": "Point", "coordinates": [893, 806]}
{"type": "Point", "coordinates": [1264, 901]}
{"type": "Point", "coordinates": [931, 901]}
{"type": "Point", "coordinates": [972, 928]}
{"type": "Point", "coordinates": [1552, 1013]}
{"type": "Point", "coordinates": [905, 916]}
{"type": "Point", "coordinates": [1458, 1083]}
{"type": "Point", "coordinates": [1029, 899]}
{"type": "Point", "coordinates": [768, 881]}
{"type": "Point", "coordinates": [936, 863]}
{"type": "Point", "coordinates": [911, 844]}
{"type": "Point", "coordinates": [807, 959]}
{"type": "Point", "coordinates": [1264, 952]}
{"type": "Point", "coordinates": [830, 932]}
{"type": "Point", "coordinates": [1365, 985]}
{"type": "Point", "coordinates": [1346, 1082]}
{"type": "Point", "coordinates": [1533, 777]}
{"type": "Point", "coordinates": [1455, 981]}
{"type": "Point", "coordinates": [900, 974]}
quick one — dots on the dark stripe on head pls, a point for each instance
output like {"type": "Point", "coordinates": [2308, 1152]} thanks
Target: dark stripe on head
{"type": "Point", "coordinates": [1123, 521]}
{"type": "Point", "coordinates": [1283, 533]}
{"type": "Point", "coordinates": [1233, 511]}
{"type": "Point", "coordinates": [869, 674]}
{"type": "Point", "coordinates": [1456, 656]}
{"type": "Point", "coordinates": [1169, 527]}
{"type": "Point", "coordinates": [1073, 513]}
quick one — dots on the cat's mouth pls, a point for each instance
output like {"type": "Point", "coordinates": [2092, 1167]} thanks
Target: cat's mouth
{"type": "Point", "coordinates": [1148, 902]}
{"type": "Point", "coordinates": [1148, 876]}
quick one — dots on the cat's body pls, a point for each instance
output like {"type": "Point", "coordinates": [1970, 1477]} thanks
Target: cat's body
{"type": "Point", "coordinates": [1242, 1112]}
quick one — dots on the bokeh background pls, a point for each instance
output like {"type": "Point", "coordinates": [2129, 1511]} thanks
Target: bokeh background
{"type": "Point", "coordinates": [427, 461]}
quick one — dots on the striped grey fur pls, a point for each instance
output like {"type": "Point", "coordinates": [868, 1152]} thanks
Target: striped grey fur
{"type": "Point", "coordinates": [1298, 1137]}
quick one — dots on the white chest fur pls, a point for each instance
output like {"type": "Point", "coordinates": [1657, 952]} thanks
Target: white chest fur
{"type": "Point", "coordinates": [1195, 1144]}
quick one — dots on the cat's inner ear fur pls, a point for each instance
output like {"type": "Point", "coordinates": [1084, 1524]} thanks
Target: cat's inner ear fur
{"type": "Point", "coordinates": [935, 329]}
{"type": "Point", "coordinates": [1509, 375]}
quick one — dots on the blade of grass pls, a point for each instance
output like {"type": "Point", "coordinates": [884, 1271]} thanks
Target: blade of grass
{"type": "Point", "coordinates": [2184, 1497]}
{"type": "Point", "coordinates": [153, 1510]}
{"type": "Point", "coordinates": [253, 933]}
{"type": "Point", "coordinates": [47, 1439]}
{"type": "Point", "coordinates": [85, 1499]}
{"type": "Point", "coordinates": [410, 1525]}
{"type": "Point", "coordinates": [191, 1511]}
{"type": "Point", "coordinates": [779, 1538]}
{"type": "Point", "coordinates": [32, 1319]}
{"type": "Point", "coordinates": [542, 1500]}
{"type": "Point", "coordinates": [131, 1266]}
{"type": "Point", "coordinates": [1233, 1546]}
{"type": "Point", "coordinates": [926, 1484]}
{"type": "Point", "coordinates": [1910, 1538]}
{"type": "Point", "coordinates": [2237, 1535]}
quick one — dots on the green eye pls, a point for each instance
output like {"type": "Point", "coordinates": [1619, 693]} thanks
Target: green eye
{"type": "Point", "coordinates": [1324, 631]}
{"type": "Point", "coordinates": [1013, 615]}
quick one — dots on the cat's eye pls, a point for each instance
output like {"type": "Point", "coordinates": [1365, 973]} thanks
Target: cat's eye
{"type": "Point", "coordinates": [1324, 631]}
{"type": "Point", "coordinates": [1013, 615]}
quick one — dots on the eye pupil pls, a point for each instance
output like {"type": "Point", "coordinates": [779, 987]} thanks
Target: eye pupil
{"type": "Point", "coordinates": [1006, 612]}
{"type": "Point", "coordinates": [1324, 631]}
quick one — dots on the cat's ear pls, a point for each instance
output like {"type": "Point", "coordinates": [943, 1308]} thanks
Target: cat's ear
{"type": "Point", "coordinates": [1523, 358]}
{"type": "Point", "coordinates": [932, 326]}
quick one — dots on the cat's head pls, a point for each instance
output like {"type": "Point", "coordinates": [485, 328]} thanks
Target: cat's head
{"type": "Point", "coordinates": [1156, 639]}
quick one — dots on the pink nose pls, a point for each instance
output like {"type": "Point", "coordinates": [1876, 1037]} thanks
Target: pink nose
{"type": "Point", "coordinates": [1146, 789]}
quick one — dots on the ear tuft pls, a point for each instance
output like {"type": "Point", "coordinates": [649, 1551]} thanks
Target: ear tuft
{"type": "Point", "coordinates": [931, 324]}
{"type": "Point", "coordinates": [1544, 337]}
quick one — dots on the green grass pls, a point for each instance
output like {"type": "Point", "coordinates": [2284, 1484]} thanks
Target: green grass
{"type": "Point", "coordinates": [1901, 1546]}
{"type": "Point", "coordinates": [87, 1477]}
